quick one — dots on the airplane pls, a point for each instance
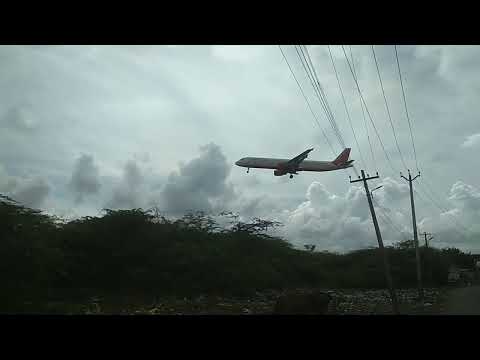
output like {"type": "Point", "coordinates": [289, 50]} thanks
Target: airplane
{"type": "Point", "coordinates": [284, 166]}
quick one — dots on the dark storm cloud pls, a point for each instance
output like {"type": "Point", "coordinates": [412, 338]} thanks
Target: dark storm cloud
{"type": "Point", "coordinates": [200, 184]}
{"type": "Point", "coordinates": [29, 191]}
{"type": "Point", "coordinates": [128, 194]}
{"type": "Point", "coordinates": [85, 178]}
{"type": "Point", "coordinates": [123, 198]}
{"type": "Point", "coordinates": [32, 193]}
{"type": "Point", "coordinates": [132, 174]}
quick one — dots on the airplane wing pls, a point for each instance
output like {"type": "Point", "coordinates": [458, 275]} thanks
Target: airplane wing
{"type": "Point", "coordinates": [299, 158]}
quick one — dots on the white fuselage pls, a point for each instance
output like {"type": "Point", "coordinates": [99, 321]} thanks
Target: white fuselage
{"type": "Point", "coordinates": [306, 165]}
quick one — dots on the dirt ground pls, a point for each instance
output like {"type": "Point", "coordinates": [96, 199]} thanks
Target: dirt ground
{"type": "Point", "coordinates": [344, 302]}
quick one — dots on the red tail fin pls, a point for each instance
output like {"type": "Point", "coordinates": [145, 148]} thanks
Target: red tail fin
{"type": "Point", "coordinates": [343, 157]}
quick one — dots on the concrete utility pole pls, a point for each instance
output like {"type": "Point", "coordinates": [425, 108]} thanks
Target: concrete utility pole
{"type": "Point", "coordinates": [426, 256]}
{"type": "Point", "coordinates": [426, 241]}
{"type": "Point", "coordinates": [415, 235]}
{"type": "Point", "coordinates": [386, 264]}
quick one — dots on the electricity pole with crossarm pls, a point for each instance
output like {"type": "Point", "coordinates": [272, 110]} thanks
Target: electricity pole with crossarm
{"type": "Point", "coordinates": [415, 236]}
{"type": "Point", "coordinates": [386, 264]}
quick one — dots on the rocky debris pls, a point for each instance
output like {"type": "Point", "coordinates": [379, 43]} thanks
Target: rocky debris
{"type": "Point", "coordinates": [315, 302]}
{"type": "Point", "coordinates": [378, 301]}
{"type": "Point", "coordinates": [340, 302]}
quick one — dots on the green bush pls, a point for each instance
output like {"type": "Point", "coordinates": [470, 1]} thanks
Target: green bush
{"type": "Point", "coordinates": [140, 252]}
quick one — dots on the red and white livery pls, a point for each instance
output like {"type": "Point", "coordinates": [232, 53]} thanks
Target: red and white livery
{"type": "Point", "coordinates": [285, 166]}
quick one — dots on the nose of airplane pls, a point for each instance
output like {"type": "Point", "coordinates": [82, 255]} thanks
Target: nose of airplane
{"type": "Point", "coordinates": [237, 162]}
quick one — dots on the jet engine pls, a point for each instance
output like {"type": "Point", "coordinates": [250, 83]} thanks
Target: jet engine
{"type": "Point", "coordinates": [279, 172]}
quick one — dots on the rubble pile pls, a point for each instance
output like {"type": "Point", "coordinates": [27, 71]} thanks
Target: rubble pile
{"type": "Point", "coordinates": [378, 301]}
{"type": "Point", "coordinates": [216, 305]}
{"type": "Point", "coordinates": [343, 302]}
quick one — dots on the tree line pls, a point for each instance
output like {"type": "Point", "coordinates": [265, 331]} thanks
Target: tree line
{"type": "Point", "coordinates": [140, 251]}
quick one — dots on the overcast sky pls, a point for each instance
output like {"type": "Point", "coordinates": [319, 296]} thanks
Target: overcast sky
{"type": "Point", "coordinates": [88, 127]}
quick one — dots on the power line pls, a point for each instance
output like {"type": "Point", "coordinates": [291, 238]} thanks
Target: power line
{"type": "Point", "coordinates": [306, 100]}
{"type": "Point", "coordinates": [406, 109]}
{"type": "Point", "coordinates": [309, 73]}
{"type": "Point", "coordinates": [363, 111]}
{"type": "Point", "coordinates": [389, 220]}
{"type": "Point", "coordinates": [410, 180]}
{"type": "Point", "coordinates": [387, 217]}
{"type": "Point", "coordinates": [346, 108]}
{"type": "Point", "coordinates": [330, 115]}
{"type": "Point", "coordinates": [411, 133]}
{"type": "Point", "coordinates": [388, 110]}
{"type": "Point", "coordinates": [368, 112]}
{"type": "Point", "coordinates": [429, 187]}
{"type": "Point", "coordinates": [319, 87]}
{"type": "Point", "coordinates": [355, 77]}
{"type": "Point", "coordinates": [386, 263]}
{"type": "Point", "coordinates": [444, 210]}
{"type": "Point", "coordinates": [330, 110]}
{"type": "Point", "coordinates": [415, 234]}
{"type": "Point", "coordinates": [431, 201]}
{"type": "Point", "coordinates": [385, 212]}
{"type": "Point", "coordinates": [387, 107]}
{"type": "Point", "coordinates": [432, 196]}
{"type": "Point", "coordinates": [441, 208]}
{"type": "Point", "coordinates": [319, 92]}
{"type": "Point", "coordinates": [451, 219]}
{"type": "Point", "coordinates": [362, 103]}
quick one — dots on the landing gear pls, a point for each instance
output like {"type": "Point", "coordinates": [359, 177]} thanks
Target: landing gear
{"type": "Point", "coordinates": [291, 176]}
{"type": "Point", "coordinates": [248, 170]}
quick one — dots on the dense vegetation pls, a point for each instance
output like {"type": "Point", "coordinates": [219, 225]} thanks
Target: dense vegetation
{"type": "Point", "coordinates": [141, 252]}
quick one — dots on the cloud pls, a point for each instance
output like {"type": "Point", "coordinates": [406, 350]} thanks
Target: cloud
{"type": "Point", "coordinates": [200, 184]}
{"type": "Point", "coordinates": [143, 157]}
{"type": "Point", "coordinates": [458, 224]}
{"type": "Point", "coordinates": [32, 193]}
{"type": "Point", "coordinates": [331, 221]}
{"type": "Point", "coordinates": [237, 53]}
{"type": "Point", "coordinates": [132, 175]}
{"type": "Point", "coordinates": [342, 221]}
{"type": "Point", "coordinates": [85, 178]}
{"type": "Point", "coordinates": [69, 100]}
{"type": "Point", "coordinates": [20, 118]}
{"type": "Point", "coordinates": [471, 141]}
{"type": "Point", "coordinates": [393, 190]}
{"type": "Point", "coordinates": [7, 183]}
{"type": "Point", "coordinates": [27, 190]}
{"type": "Point", "coordinates": [466, 196]}
{"type": "Point", "coordinates": [129, 193]}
